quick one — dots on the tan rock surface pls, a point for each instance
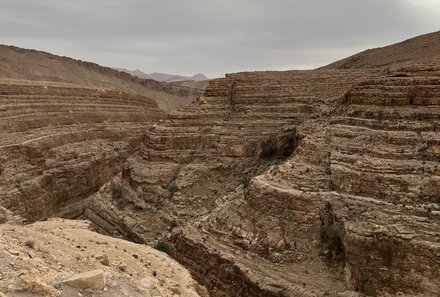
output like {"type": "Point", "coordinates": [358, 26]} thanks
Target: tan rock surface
{"type": "Point", "coordinates": [65, 258]}
{"type": "Point", "coordinates": [59, 143]}
{"type": "Point", "coordinates": [352, 211]}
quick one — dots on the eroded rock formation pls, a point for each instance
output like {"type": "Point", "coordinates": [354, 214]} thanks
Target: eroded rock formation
{"type": "Point", "coordinates": [61, 143]}
{"type": "Point", "coordinates": [293, 183]}
{"type": "Point", "coordinates": [353, 208]}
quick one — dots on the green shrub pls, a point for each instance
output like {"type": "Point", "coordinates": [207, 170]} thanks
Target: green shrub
{"type": "Point", "coordinates": [172, 187]}
{"type": "Point", "coordinates": [30, 244]}
{"type": "Point", "coordinates": [162, 246]}
{"type": "Point", "coordinates": [332, 239]}
{"type": "Point", "coordinates": [268, 149]}
{"type": "Point", "coordinates": [116, 192]}
{"type": "Point", "coordinates": [245, 181]}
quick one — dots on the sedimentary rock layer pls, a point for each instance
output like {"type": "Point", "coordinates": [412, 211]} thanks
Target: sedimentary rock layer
{"type": "Point", "coordinates": [194, 165]}
{"type": "Point", "coordinates": [360, 194]}
{"type": "Point", "coordinates": [60, 143]}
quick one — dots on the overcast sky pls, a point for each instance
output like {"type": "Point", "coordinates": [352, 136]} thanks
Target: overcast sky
{"type": "Point", "coordinates": [210, 36]}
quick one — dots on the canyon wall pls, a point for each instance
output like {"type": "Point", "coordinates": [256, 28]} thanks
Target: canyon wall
{"type": "Point", "coordinates": [60, 143]}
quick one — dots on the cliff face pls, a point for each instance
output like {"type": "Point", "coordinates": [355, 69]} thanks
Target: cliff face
{"type": "Point", "coordinates": [60, 143]}
{"type": "Point", "coordinates": [192, 170]}
{"type": "Point", "coordinates": [385, 170]}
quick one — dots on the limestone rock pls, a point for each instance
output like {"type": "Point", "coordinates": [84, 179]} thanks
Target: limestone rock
{"type": "Point", "coordinates": [61, 142]}
{"type": "Point", "coordinates": [94, 279]}
{"type": "Point", "coordinates": [65, 259]}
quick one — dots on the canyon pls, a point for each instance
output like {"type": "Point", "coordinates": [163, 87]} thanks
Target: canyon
{"type": "Point", "coordinates": [274, 183]}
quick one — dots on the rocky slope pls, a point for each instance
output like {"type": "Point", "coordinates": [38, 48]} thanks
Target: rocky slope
{"type": "Point", "coordinates": [308, 183]}
{"type": "Point", "coordinates": [422, 50]}
{"type": "Point", "coordinates": [355, 209]}
{"type": "Point", "coordinates": [60, 143]}
{"type": "Point", "coordinates": [66, 258]}
{"type": "Point", "coordinates": [24, 64]}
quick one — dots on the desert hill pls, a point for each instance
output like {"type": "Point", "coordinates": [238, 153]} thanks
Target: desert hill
{"type": "Point", "coordinates": [164, 77]}
{"type": "Point", "coordinates": [278, 183]}
{"type": "Point", "coordinates": [24, 64]}
{"type": "Point", "coordinates": [423, 49]}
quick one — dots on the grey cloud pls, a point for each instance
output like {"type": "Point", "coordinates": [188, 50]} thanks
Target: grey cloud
{"type": "Point", "coordinates": [213, 37]}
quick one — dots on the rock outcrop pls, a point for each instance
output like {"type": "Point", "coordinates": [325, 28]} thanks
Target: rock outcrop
{"type": "Point", "coordinates": [66, 258]}
{"type": "Point", "coordinates": [60, 143]}
{"type": "Point", "coordinates": [355, 209]}
{"type": "Point", "coordinates": [348, 207]}
{"type": "Point", "coordinates": [189, 161]}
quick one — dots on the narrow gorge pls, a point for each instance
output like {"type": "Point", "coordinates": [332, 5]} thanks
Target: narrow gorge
{"type": "Point", "coordinates": [279, 183]}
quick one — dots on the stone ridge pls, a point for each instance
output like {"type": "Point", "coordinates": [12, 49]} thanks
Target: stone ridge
{"type": "Point", "coordinates": [150, 83]}
{"type": "Point", "coordinates": [60, 143]}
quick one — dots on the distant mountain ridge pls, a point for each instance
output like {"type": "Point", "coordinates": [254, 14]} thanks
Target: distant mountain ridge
{"type": "Point", "coordinates": [33, 65]}
{"type": "Point", "coordinates": [164, 77]}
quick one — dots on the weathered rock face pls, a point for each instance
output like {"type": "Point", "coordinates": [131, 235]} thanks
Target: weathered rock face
{"type": "Point", "coordinates": [385, 168]}
{"type": "Point", "coordinates": [188, 162]}
{"type": "Point", "coordinates": [192, 168]}
{"type": "Point", "coordinates": [61, 143]}
{"type": "Point", "coordinates": [65, 258]}
{"type": "Point", "coordinates": [355, 208]}
{"type": "Point", "coordinates": [346, 213]}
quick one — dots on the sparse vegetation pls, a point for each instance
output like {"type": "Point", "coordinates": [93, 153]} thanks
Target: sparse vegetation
{"type": "Point", "coordinates": [268, 149]}
{"type": "Point", "coordinates": [116, 191]}
{"type": "Point", "coordinates": [30, 244]}
{"type": "Point", "coordinates": [332, 240]}
{"type": "Point", "coordinates": [245, 181]}
{"type": "Point", "coordinates": [162, 246]}
{"type": "Point", "coordinates": [172, 187]}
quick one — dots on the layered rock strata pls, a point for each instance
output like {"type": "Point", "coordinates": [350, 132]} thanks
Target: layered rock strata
{"type": "Point", "coordinates": [60, 143]}
{"type": "Point", "coordinates": [355, 209]}
{"type": "Point", "coordinates": [192, 169]}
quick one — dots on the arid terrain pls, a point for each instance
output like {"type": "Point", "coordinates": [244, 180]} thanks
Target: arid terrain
{"type": "Point", "coordinates": [23, 64]}
{"type": "Point", "coordinates": [309, 183]}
